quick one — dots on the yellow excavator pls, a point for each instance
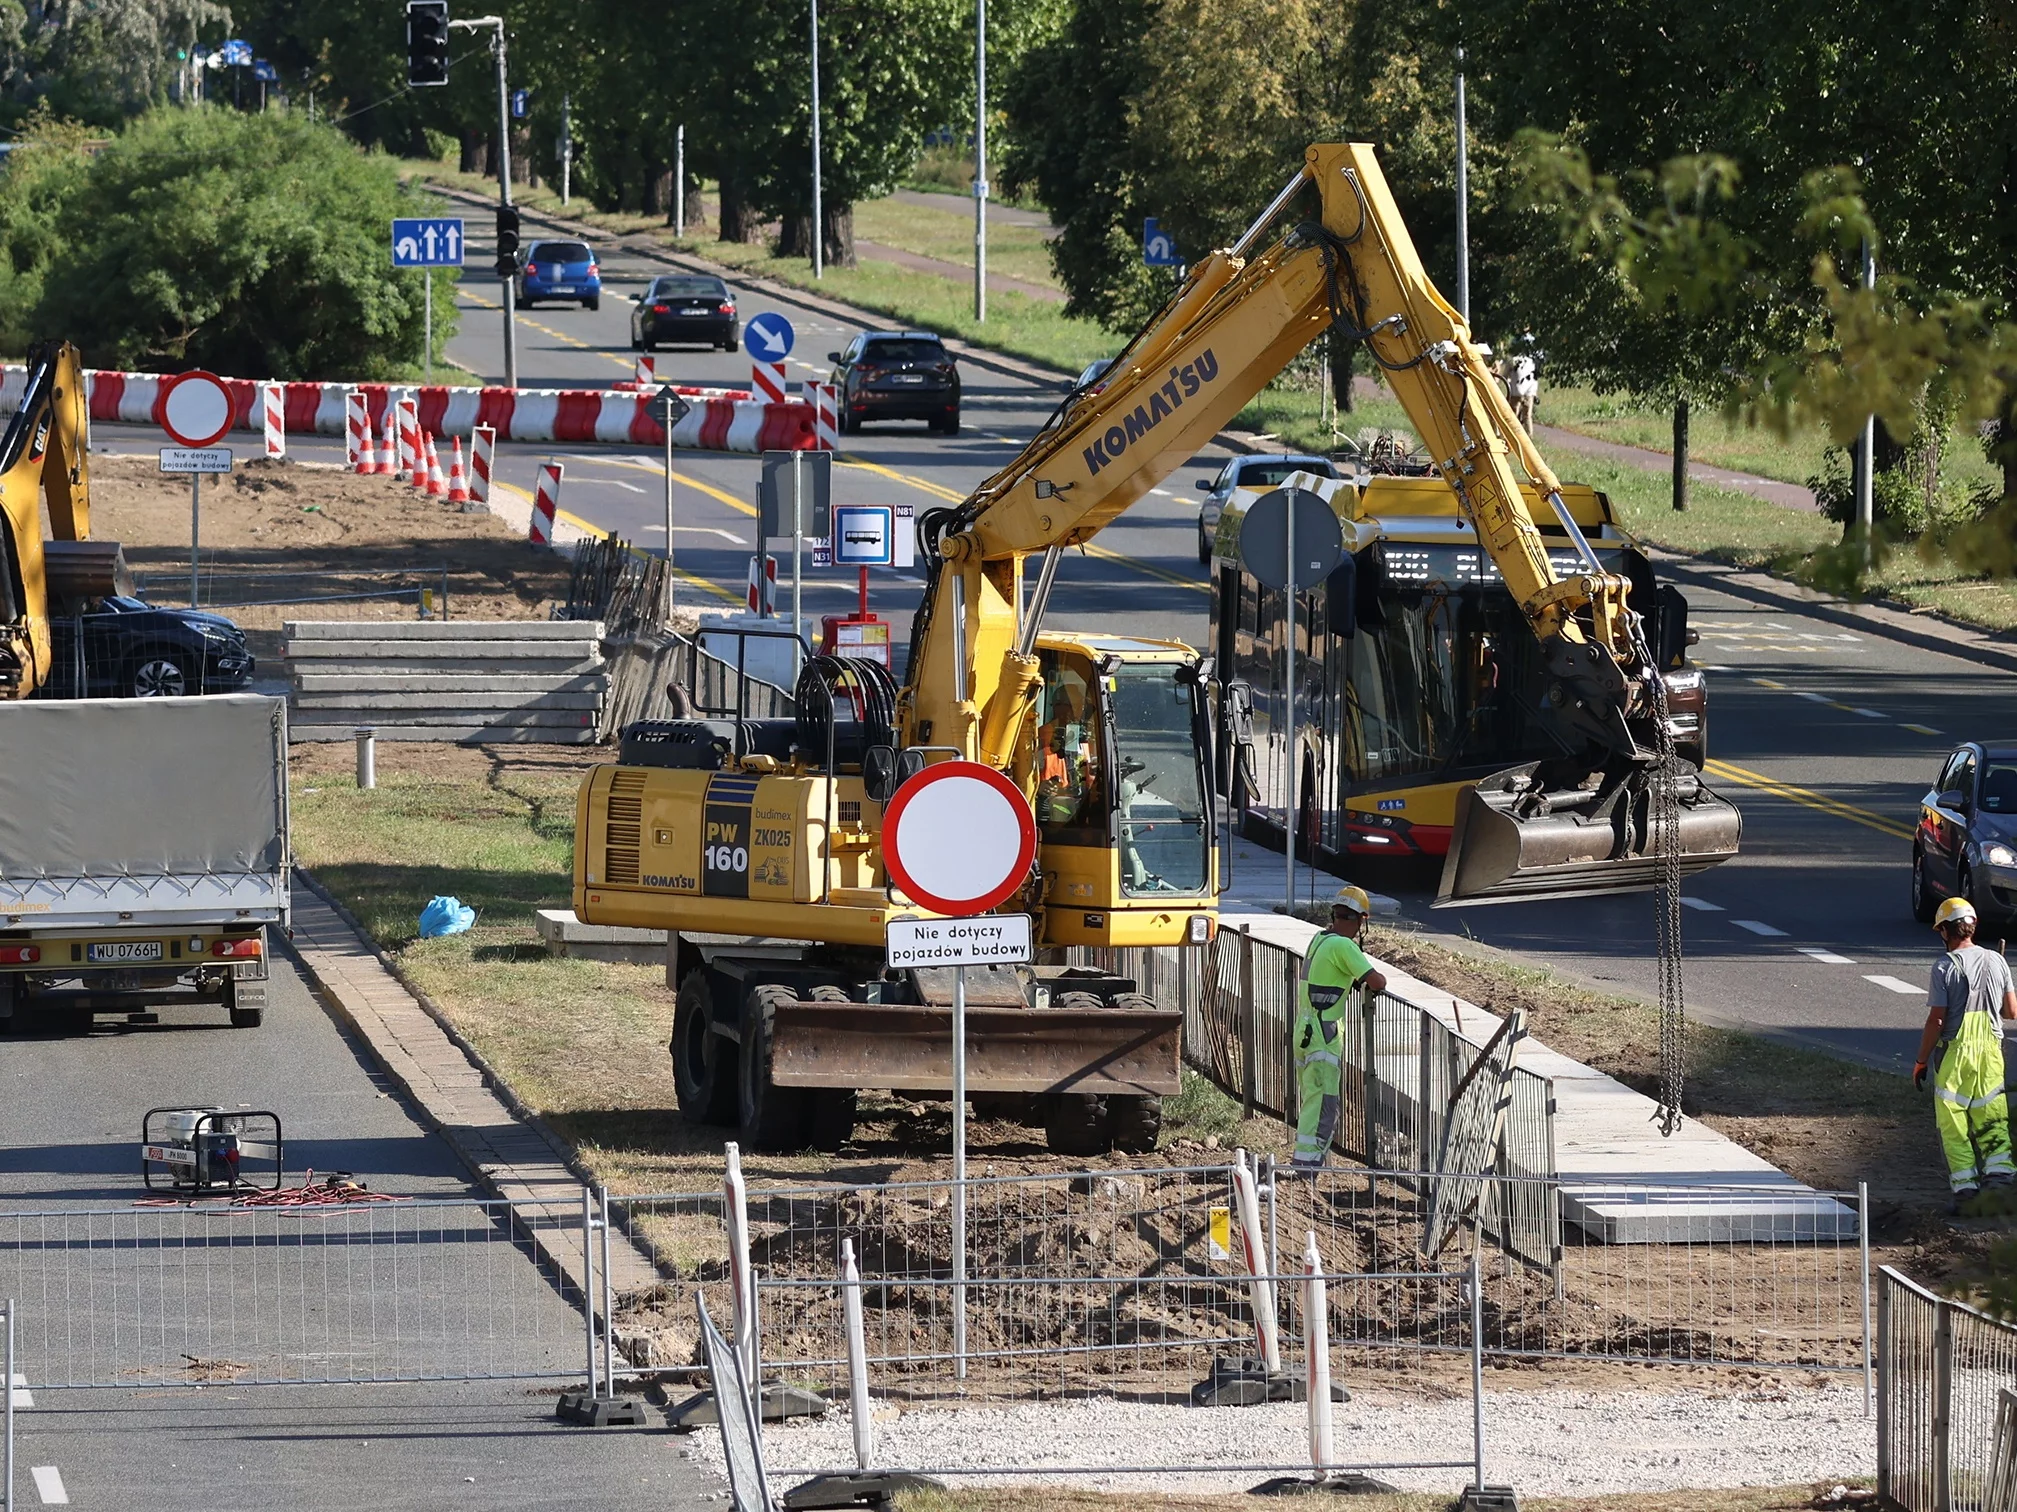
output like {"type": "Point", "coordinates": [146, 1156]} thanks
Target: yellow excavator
{"type": "Point", "coordinates": [44, 452]}
{"type": "Point", "coordinates": [758, 842]}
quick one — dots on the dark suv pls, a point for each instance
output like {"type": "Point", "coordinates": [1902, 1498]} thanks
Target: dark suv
{"type": "Point", "coordinates": [897, 375]}
{"type": "Point", "coordinates": [131, 649]}
{"type": "Point", "coordinates": [688, 308]}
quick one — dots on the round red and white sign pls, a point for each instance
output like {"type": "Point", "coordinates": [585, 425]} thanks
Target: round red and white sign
{"type": "Point", "coordinates": [197, 408]}
{"type": "Point", "coordinates": [959, 838]}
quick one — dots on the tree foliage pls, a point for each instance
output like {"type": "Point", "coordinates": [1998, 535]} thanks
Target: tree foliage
{"type": "Point", "coordinates": [253, 245]}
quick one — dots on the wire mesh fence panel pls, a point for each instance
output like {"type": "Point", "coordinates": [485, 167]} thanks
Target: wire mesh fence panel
{"type": "Point", "coordinates": [426, 588]}
{"type": "Point", "coordinates": [119, 646]}
{"type": "Point", "coordinates": [393, 1291]}
{"type": "Point", "coordinates": [1944, 1371]}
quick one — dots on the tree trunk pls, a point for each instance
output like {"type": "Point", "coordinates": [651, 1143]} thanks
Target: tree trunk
{"type": "Point", "coordinates": [1680, 453]}
{"type": "Point", "coordinates": [657, 189]}
{"type": "Point", "coordinates": [475, 152]}
{"type": "Point", "coordinates": [839, 235]}
{"type": "Point", "coordinates": [794, 235]}
{"type": "Point", "coordinates": [739, 220]}
{"type": "Point", "coordinates": [1344, 358]}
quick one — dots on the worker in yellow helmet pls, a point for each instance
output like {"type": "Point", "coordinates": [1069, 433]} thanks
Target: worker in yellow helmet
{"type": "Point", "coordinates": [1970, 996]}
{"type": "Point", "coordinates": [1336, 968]}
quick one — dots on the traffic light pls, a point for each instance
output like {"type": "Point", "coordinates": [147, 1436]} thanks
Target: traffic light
{"type": "Point", "coordinates": [426, 42]}
{"type": "Point", "coordinates": [507, 240]}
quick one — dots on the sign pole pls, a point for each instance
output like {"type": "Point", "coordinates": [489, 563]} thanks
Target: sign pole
{"type": "Point", "coordinates": [959, 1172]}
{"type": "Point", "coordinates": [797, 540]}
{"type": "Point", "coordinates": [195, 518]}
{"type": "Point", "coordinates": [1289, 692]}
{"type": "Point", "coordinates": [668, 517]}
{"type": "Point", "coordinates": [430, 324]}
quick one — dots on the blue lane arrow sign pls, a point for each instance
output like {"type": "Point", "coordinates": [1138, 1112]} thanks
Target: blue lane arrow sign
{"type": "Point", "coordinates": [434, 242]}
{"type": "Point", "coordinates": [767, 337]}
{"type": "Point", "coordinates": [1159, 248]}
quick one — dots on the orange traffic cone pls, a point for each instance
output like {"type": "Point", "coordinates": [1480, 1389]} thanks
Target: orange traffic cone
{"type": "Point", "coordinates": [364, 466]}
{"type": "Point", "coordinates": [416, 473]}
{"type": "Point", "coordinates": [458, 480]}
{"type": "Point", "coordinates": [384, 461]}
{"type": "Point", "coordinates": [437, 486]}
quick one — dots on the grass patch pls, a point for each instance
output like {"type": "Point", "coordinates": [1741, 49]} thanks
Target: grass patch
{"type": "Point", "coordinates": [1069, 1499]}
{"type": "Point", "coordinates": [1201, 1113]}
{"type": "Point", "coordinates": [1018, 251]}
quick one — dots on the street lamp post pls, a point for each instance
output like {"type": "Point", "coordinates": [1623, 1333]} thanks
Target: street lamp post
{"type": "Point", "coordinates": [818, 220]}
{"type": "Point", "coordinates": [1463, 202]}
{"type": "Point", "coordinates": [980, 160]}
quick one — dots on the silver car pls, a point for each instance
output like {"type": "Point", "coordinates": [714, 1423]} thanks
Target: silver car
{"type": "Point", "coordinates": [1261, 471]}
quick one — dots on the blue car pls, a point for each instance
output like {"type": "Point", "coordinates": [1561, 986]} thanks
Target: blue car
{"type": "Point", "coordinates": [560, 270]}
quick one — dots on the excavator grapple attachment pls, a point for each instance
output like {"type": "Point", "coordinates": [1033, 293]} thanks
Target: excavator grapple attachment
{"type": "Point", "coordinates": [909, 1048]}
{"type": "Point", "coordinates": [1517, 838]}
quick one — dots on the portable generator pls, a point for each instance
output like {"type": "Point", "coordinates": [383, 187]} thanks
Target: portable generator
{"type": "Point", "coordinates": [210, 1149]}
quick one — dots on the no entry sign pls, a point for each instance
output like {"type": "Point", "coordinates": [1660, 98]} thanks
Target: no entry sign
{"type": "Point", "coordinates": [197, 408]}
{"type": "Point", "coordinates": [959, 838]}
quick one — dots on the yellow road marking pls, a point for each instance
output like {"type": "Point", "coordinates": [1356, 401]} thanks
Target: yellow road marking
{"type": "Point", "coordinates": [1807, 798]}
{"type": "Point", "coordinates": [1766, 682]}
{"type": "Point", "coordinates": [573, 341]}
{"type": "Point", "coordinates": [657, 470]}
{"type": "Point", "coordinates": [589, 528]}
{"type": "Point", "coordinates": [1921, 730]}
{"type": "Point", "coordinates": [1153, 571]}
{"type": "Point", "coordinates": [936, 490]}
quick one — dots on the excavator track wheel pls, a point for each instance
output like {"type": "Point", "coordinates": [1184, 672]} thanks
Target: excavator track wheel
{"type": "Point", "coordinates": [703, 1062]}
{"type": "Point", "coordinates": [1075, 1123]}
{"type": "Point", "coordinates": [775, 1119]}
{"type": "Point", "coordinates": [832, 1120]}
{"type": "Point", "coordinates": [1134, 1124]}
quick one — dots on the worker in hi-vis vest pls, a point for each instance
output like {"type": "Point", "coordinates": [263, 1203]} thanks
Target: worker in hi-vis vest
{"type": "Point", "coordinates": [1962, 1045]}
{"type": "Point", "coordinates": [1335, 969]}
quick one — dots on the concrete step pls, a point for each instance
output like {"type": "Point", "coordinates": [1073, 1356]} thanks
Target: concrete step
{"type": "Point", "coordinates": [397, 664]}
{"type": "Point", "coordinates": [386, 719]}
{"type": "Point", "coordinates": [429, 681]}
{"type": "Point", "coordinates": [446, 630]}
{"type": "Point", "coordinates": [1764, 1215]}
{"type": "Point", "coordinates": [404, 653]}
{"type": "Point", "coordinates": [565, 935]}
{"type": "Point", "coordinates": [437, 698]}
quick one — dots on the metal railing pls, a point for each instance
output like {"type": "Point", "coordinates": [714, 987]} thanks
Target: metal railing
{"type": "Point", "coordinates": [1401, 1063]}
{"type": "Point", "coordinates": [1943, 1369]}
{"type": "Point", "coordinates": [643, 671]}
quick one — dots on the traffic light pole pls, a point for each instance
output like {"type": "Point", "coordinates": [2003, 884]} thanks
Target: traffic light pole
{"type": "Point", "coordinates": [503, 190]}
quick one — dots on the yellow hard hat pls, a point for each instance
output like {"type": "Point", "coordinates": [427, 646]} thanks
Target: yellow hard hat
{"type": "Point", "coordinates": [1355, 899]}
{"type": "Point", "coordinates": [1954, 911]}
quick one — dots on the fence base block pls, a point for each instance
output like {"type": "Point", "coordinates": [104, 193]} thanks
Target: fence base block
{"type": "Point", "coordinates": [1345, 1483]}
{"type": "Point", "coordinates": [1489, 1499]}
{"type": "Point", "coordinates": [1243, 1381]}
{"type": "Point", "coordinates": [870, 1488]}
{"type": "Point", "coordinates": [778, 1402]}
{"type": "Point", "coordinates": [586, 1411]}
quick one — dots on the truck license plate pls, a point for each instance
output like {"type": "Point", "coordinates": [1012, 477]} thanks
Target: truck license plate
{"type": "Point", "coordinates": [125, 950]}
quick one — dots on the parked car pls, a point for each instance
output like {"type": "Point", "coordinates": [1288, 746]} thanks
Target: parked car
{"type": "Point", "coordinates": [1966, 844]}
{"type": "Point", "coordinates": [1248, 472]}
{"type": "Point", "coordinates": [1089, 380]}
{"type": "Point", "coordinates": [132, 649]}
{"type": "Point", "coordinates": [897, 375]}
{"type": "Point", "coordinates": [560, 270]}
{"type": "Point", "coordinates": [686, 308]}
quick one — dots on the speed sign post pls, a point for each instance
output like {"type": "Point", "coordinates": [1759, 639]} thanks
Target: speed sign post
{"type": "Point", "coordinates": [959, 839]}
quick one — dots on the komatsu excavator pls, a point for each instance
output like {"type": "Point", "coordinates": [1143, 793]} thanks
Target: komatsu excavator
{"type": "Point", "coordinates": [757, 843]}
{"type": "Point", "coordinates": [43, 452]}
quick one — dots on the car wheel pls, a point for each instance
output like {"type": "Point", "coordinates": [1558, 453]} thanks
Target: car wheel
{"type": "Point", "coordinates": [951, 425]}
{"type": "Point", "coordinates": [1964, 887]}
{"type": "Point", "coordinates": [1924, 904]}
{"type": "Point", "coordinates": [1204, 548]}
{"type": "Point", "coordinates": [159, 677]}
{"type": "Point", "coordinates": [591, 304]}
{"type": "Point", "coordinates": [637, 343]}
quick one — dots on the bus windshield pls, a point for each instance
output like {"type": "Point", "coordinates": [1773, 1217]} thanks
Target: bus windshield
{"type": "Point", "coordinates": [1165, 832]}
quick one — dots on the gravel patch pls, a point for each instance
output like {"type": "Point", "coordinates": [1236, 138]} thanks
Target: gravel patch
{"type": "Point", "coordinates": [1543, 1443]}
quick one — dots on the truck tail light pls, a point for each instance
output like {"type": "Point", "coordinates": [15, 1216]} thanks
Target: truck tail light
{"type": "Point", "coordinates": [226, 948]}
{"type": "Point", "coordinates": [20, 955]}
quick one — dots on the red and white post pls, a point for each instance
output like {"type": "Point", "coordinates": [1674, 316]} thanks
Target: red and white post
{"type": "Point", "coordinates": [482, 442]}
{"type": "Point", "coordinates": [1317, 1358]}
{"type": "Point", "coordinates": [273, 406]}
{"type": "Point", "coordinates": [766, 382]}
{"type": "Point", "coordinates": [825, 416]}
{"type": "Point", "coordinates": [647, 371]}
{"type": "Point", "coordinates": [354, 421]}
{"type": "Point", "coordinates": [545, 504]}
{"type": "Point", "coordinates": [1260, 1284]}
{"type": "Point", "coordinates": [409, 439]}
{"type": "Point", "coordinates": [761, 595]}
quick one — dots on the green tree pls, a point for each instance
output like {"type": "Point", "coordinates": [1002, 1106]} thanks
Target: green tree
{"type": "Point", "coordinates": [253, 245]}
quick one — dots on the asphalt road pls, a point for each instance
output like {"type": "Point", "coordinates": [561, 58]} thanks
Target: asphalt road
{"type": "Point", "coordinates": [109, 1290]}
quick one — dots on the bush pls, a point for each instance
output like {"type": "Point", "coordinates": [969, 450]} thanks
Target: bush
{"type": "Point", "coordinates": [253, 245]}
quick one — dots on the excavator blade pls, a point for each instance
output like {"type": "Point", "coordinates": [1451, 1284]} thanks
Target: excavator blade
{"type": "Point", "coordinates": [81, 570]}
{"type": "Point", "coordinates": [909, 1049]}
{"type": "Point", "coordinates": [1513, 842]}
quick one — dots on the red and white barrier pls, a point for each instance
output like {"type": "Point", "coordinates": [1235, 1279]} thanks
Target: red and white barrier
{"type": "Point", "coordinates": [482, 442]}
{"type": "Point", "coordinates": [826, 415]}
{"type": "Point", "coordinates": [766, 382]}
{"type": "Point", "coordinates": [761, 595]}
{"type": "Point", "coordinates": [274, 413]}
{"type": "Point", "coordinates": [355, 419]}
{"type": "Point", "coordinates": [720, 420]}
{"type": "Point", "coordinates": [545, 502]}
{"type": "Point", "coordinates": [647, 371]}
{"type": "Point", "coordinates": [407, 417]}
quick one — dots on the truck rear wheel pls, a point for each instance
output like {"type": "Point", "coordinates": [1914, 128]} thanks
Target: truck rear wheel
{"type": "Point", "coordinates": [830, 1123]}
{"type": "Point", "coordinates": [247, 1002]}
{"type": "Point", "coordinates": [1076, 1124]}
{"type": "Point", "coordinates": [703, 1063]}
{"type": "Point", "coordinates": [774, 1119]}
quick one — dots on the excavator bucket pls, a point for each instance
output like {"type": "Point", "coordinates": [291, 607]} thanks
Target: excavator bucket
{"type": "Point", "coordinates": [1517, 840]}
{"type": "Point", "coordinates": [909, 1049]}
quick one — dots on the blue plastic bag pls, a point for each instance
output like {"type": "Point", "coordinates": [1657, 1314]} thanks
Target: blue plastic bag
{"type": "Point", "coordinates": [445, 916]}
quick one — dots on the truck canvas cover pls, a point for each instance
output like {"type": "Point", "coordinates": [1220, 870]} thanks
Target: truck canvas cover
{"type": "Point", "coordinates": [137, 811]}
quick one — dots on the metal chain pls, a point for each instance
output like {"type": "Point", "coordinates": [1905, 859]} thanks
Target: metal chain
{"type": "Point", "coordinates": [1664, 817]}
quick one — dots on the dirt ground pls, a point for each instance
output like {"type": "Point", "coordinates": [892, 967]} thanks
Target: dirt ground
{"type": "Point", "coordinates": [298, 517]}
{"type": "Point", "coordinates": [1063, 1499]}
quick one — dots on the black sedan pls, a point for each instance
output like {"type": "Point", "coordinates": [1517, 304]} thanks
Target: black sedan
{"type": "Point", "coordinates": [686, 310]}
{"type": "Point", "coordinates": [897, 375]}
{"type": "Point", "coordinates": [131, 649]}
{"type": "Point", "coordinates": [1966, 844]}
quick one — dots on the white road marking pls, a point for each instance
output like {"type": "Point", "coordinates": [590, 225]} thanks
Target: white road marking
{"type": "Point", "coordinates": [1800, 693]}
{"type": "Point", "coordinates": [1825, 957]}
{"type": "Point", "coordinates": [1757, 928]}
{"type": "Point", "coordinates": [1701, 904]}
{"type": "Point", "coordinates": [1866, 713]}
{"type": "Point", "coordinates": [49, 1486]}
{"type": "Point", "coordinates": [1921, 730]}
{"type": "Point", "coordinates": [1892, 984]}
{"type": "Point", "coordinates": [619, 483]}
{"type": "Point", "coordinates": [726, 535]}
{"type": "Point", "coordinates": [18, 1389]}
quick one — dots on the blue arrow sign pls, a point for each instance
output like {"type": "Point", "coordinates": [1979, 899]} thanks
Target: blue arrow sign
{"type": "Point", "coordinates": [767, 337]}
{"type": "Point", "coordinates": [236, 53]}
{"type": "Point", "coordinates": [518, 99]}
{"type": "Point", "coordinates": [265, 72]}
{"type": "Point", "coordinates": [1159, 248]}
{"type": "Point", "coordinates": [428, 243]}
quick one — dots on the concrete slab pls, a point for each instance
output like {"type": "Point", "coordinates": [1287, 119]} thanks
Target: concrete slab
{"type": "Point", "coordinates": [565, 935]}
{"type": "Point", "coordinates": [446, 630]}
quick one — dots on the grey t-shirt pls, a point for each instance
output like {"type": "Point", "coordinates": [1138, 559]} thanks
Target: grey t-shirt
{"type": "Point", "coordinates": [1970, 979]}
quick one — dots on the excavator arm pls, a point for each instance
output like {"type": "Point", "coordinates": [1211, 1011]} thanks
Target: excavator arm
{"type": "Point", "coordinates": [43, 454]}
{"type": "Point", "coordinates": [1579, 824]}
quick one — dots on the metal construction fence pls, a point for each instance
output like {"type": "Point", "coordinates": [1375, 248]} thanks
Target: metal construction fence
{"type": "Point", "coordinates": [235, 587]}
{"type": "Point", "coordinates": [1945, 1372]}
{"type": "Point", "coordinates": [1401, 1063]}
{"type": "Point", "coordinates": [672, 676]}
